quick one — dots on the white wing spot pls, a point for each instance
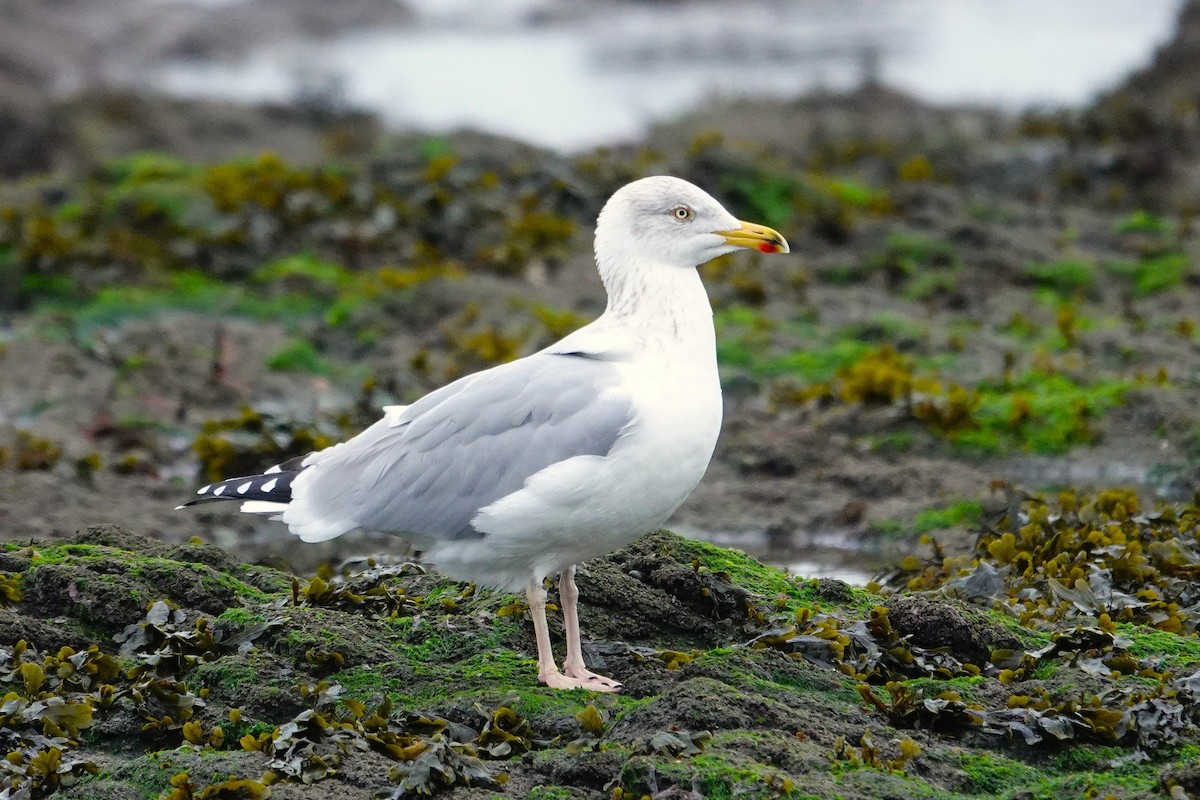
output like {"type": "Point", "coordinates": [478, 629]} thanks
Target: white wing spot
{"type": "Point", "coordinates": [245, 487]}
{"type": "Point", "coordinates": [218, 491]}
{"type": "Point", "coordinates": [273, 470]}
{"type": "Point", "coordinates": [269, 486]}
{"type": "Point", "coordinates": [204, 489]}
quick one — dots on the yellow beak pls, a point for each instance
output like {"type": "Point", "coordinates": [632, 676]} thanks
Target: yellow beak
{"type": "Point", "coordinates": [758, 237]}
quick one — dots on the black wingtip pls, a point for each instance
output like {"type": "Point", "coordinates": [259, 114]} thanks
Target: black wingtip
{"type": "Point", "coordinates": [275, 487]}
{"type": "Point", "coordinates": [199, 502]}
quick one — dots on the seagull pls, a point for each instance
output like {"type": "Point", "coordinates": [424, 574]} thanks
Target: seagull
{"type": "Point", "coordinates": [520, 472]}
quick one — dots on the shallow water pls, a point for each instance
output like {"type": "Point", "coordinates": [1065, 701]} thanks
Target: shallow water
{"type": "Point", "coordinates": [596, 73]}
{"type": "Point", "coordinates": [827, 565]}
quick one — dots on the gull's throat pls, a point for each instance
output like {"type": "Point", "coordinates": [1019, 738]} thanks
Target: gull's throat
{"type": "Point", "coordinates": [663, 303]}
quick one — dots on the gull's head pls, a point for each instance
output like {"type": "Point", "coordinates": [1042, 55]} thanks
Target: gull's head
{"type": "Point", "coordinates": [671, 222]}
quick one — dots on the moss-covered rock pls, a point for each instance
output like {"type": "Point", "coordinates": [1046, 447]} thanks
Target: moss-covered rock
{"type": "Point", "coordinates": [741, 682]}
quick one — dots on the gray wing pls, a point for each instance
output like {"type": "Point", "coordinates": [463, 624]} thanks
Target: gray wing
{"type": "Point", "coordinates": [461, 448]}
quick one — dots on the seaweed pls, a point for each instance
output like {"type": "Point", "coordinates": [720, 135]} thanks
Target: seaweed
{"type": "Point", "coordinates": [254, 440]}
{"type": "Point", "coordinates": [933, 673]}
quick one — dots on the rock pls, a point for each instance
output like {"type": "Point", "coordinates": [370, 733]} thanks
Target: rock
{"type": "Point", "coordinates": [965, 631]}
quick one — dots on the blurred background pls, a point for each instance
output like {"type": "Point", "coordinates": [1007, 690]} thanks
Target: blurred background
{"type": "Point", "coordinates": [230, 230]}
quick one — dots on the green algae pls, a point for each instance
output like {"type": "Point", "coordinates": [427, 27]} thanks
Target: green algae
{"type": "Point", "coordinates": [1080, 772]}
{"type": "Point", "coordinates": [727, 776]}
{"type": "Point", "coordinates": [965, 685]}
{"type": "Point", "coordinates": [935, 518]}
{"type": "Point", "coordinates": [153, 567]}
{"type": "Point", "coordinates": [182, 292]}
{"type": "Point", "coordinates": [1044, 413]}
{"type": "Point", "coordinates": [963, 512]}
{"type": "Point", "coordinates": [241, 617]}
{"type": "Point", "coordinates": [750, 671]}
{"type": "Point", "coordinates": [993, 774]}
{"type": "Point", "coordinates": [763, 581]}
{"type": "Point", "coordinates": [299, 355]}
{"type": "Point", "coordinates": [1065, 278]}
{"type": "Point", "coordinates": [1151, 275]}
{"type": "Point", "coordinates": [551, 793]}
{"type": "Point", "coordinates": [1176, 651]}
{"type": "Point", "coordinates": [226, 676]}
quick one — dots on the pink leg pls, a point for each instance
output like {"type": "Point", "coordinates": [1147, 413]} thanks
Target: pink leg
{"type": "Point", "coordinates": [547, 670]}
{"type": "Point", "coordinates": [573, 665]}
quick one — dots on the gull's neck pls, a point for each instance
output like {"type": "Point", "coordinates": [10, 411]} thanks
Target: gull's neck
{"type": "Point", "coordinates": [666, 304]}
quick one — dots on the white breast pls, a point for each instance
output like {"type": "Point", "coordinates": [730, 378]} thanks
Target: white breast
{"type": "Point", "coordinates": [678, 412]}
{"type": "Point", "coordinates": [591, 505]}
{"type": "Point", "coordinates": [587, 506]}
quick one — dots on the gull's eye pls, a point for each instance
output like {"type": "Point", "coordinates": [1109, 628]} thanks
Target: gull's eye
{"type": "Point", "coordinates": [682, 213]}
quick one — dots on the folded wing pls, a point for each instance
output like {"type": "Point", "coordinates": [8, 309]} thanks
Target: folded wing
{"type": "Point", "coordinates": [427, 469]}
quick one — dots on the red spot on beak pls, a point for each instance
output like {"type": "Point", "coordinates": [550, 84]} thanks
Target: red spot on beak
{"type": "Point", "coordinates": [767, 247]}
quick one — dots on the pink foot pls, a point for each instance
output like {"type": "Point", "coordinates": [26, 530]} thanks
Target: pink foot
{"type": "Point", "coordinates": [581, 679]}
